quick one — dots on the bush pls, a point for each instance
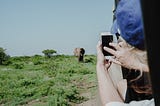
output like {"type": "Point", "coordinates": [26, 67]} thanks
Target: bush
{"type": "Point", "coordinates": [89, 59]}
{"type": "Point", "coordinates": [18, 65]}
{"type": "Point", "coordinates": [3, 57]}
{"type": "Point", "coordinates": [37, 62]}
{"type": "Point", "coordinates": [7, 62]}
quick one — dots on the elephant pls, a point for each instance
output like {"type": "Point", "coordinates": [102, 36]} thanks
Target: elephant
{"type": "Point", "coordinates": [79, 52]}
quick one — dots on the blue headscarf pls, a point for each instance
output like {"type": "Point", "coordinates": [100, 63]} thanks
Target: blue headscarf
{"type": "Point", "coordinates": [129, 21]}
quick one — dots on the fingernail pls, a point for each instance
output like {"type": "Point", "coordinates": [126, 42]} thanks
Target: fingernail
{"type": "Point", "coordinates": [110, 43]}
{"type": "Point", "coordinates": [105, 47]}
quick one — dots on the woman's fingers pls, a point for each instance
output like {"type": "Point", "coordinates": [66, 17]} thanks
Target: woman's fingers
{"type": "Point", "coordinates": [100, 56]}
{"type": "Point", "coordinates": [115, 45]}
{"type": "Point", "coordinates": [115, 61]}
{"type": "Point", "coordinates": [99, 46]}
{"type": "Point", "coordinates": [113, 52]}
{"type": "Point", "coordinates": [107, 64]}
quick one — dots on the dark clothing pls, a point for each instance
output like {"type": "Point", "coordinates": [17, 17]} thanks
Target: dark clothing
{"type": "Point", "coordinates": [131, 94]}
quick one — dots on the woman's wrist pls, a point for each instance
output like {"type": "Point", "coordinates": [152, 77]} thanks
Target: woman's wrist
{"type": "Point", "coordinates": [101, 67]}
{"type": "Point", "coordinates": [101, 64]}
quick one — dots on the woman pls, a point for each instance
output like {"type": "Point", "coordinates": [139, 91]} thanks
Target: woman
{"type": "Point", "coordinates": [108, 93]}
{"type": "Point", "coordinates": [129, 53]}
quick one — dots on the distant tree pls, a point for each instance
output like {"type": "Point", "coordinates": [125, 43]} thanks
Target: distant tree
{"type": "Point", "coordinates": [3, 56]}
{"type": "Point", "coordinates": [49, 52]}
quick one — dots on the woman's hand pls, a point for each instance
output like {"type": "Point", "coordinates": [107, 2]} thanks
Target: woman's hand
{"type": "Point", "coordinates": [101, 61]}
{"type": "Point", "coordinates": [125, 55]}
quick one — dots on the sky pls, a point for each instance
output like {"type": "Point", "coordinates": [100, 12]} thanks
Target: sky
{"type": "Point", "coordinates": [27, 27]}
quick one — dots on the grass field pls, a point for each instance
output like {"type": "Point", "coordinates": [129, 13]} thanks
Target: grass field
{"type": "Point", "coordinates": [39, 81]}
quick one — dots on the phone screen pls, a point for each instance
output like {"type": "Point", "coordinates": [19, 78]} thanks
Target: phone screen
{"type": "Point", "coordinates": [106, 39]}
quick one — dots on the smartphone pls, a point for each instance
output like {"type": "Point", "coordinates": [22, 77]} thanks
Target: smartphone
{"type": "Point", "coordinates": [106, 38]}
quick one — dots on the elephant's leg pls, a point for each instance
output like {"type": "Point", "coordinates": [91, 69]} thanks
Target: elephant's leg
{"type": "Point", "coordinates": [81, 58]}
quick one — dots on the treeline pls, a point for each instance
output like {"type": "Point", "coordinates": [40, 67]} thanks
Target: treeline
{"type": "Point", "coordinates": [5, 58]}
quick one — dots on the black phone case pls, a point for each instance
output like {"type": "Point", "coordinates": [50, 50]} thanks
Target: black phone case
{"type": "Point", "coordinates": [106, 39]}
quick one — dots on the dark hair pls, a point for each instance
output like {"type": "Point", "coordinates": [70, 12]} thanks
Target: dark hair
{"type": "Point", "coordinates": [137, 88]}
{"type": "Point", "coordinates": [141, 84]}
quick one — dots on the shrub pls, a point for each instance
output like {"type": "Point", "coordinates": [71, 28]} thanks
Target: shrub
{"type": "Point", "coordinates": [18, 65]}
{"type": "Point", "coordinates": [7, 62]}
{"type": "Point", "coordinates": [89, 59]}
{"type": "Point", "coordinates": [37, 62]}
{"type": "Point", "coordinates": [3, 56]}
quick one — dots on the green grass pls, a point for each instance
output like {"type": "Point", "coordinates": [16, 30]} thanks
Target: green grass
{"type": "Point", "coordinates": [40, 81]}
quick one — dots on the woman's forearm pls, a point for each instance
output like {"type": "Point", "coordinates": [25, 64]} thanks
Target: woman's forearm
{"type": "Point", "coordinates": [107, 91]}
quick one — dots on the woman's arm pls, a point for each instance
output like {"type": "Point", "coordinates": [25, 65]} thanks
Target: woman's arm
{"type": "Point", "coordinates": [107, 91]}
